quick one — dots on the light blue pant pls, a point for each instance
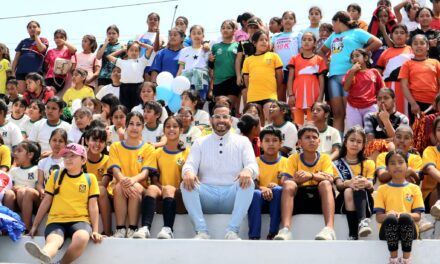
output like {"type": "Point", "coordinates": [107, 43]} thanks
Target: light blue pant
{"type": "Point", "coordinates": [211, 199]}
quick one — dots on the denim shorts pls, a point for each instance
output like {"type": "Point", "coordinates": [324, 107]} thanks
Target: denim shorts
{"type": "Point", "coordinates": [335, 87]}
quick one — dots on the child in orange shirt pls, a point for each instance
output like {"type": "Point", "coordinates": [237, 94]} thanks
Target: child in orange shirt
{"type": "Point", "coordinates": [420, 77]}
{"type": "Point", "coordinates": [306, 79]}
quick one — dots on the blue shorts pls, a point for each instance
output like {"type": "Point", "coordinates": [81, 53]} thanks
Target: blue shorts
{"type": "Point", "coordinates": [335, 87]}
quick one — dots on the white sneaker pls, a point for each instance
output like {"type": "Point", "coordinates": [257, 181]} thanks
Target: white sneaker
{"type": "Point", "coordinates": [231, 235]}
{"type": "Point", "coordinates": [364, 228]}
{"type": "Point", "coordinates": [283, 234]}
{"type": "Point", "coordinates": [425, 224]}
{"type": "Point", "coordinates": [393, 261]}
{"type": "Point", "coordinates": [201, 235]}
{"type": "Point", "coordinates": [405, 261]}
{"type": "Point", "coordinates": [35, 251]}
{"type": "Point", "coordinates": [326, 233]}
{"type": "Point", "coordinates": [165, 233]}
{"type": "Point", "coordinates": [142, 233]}
{"type": "Point", "coordinates": [435, 209]}
{"type": "Point", "coordinates": [120, 233]}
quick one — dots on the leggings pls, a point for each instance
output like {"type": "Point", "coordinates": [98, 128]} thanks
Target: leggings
{"type": "Point", "coordinates": [395, 229]}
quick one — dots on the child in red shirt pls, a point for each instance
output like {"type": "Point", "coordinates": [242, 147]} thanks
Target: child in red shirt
{"type": "Point", "coordinates": [362, 84]}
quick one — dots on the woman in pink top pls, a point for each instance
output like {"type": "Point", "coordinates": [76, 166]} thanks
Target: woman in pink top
{"type": "Point", "coordinates": [64, 50]}
{"type": "Point", "coordinates": [87, 60]}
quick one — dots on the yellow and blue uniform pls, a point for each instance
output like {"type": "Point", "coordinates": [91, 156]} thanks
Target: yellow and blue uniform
{"type": "Point", "coordinates": [169, 164]}
{"type": "Point", "coordinates": [367, 171]}
{"type": "Point", "coordinates": [295, 163]}
{"type": "Point", "coordinates": [71, 204]}
{"type": "Point", "coordinates": [132, 160]}
{"type": "Point", "coordinates": [5, 157]}
{"type": "Point", "coordinates": [98, 168]}
{"type": "Point", "coordinates": [414, 162]}
{"type": "Point", "coordinates": [401, 198]}
{"type": "Point", "coordinates": [431, 157]}
{"type": "Point", "coordinates": [271, 171]}
{"type": "Point", "coordinates": [73, 94]}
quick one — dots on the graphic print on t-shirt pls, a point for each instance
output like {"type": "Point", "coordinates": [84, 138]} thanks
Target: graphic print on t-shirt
{"type": "Point", "coordinates": [338, 45]}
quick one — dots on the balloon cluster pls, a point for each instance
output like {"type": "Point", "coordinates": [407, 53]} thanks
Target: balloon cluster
{"type": "Point", "coordinates": [169, 89]}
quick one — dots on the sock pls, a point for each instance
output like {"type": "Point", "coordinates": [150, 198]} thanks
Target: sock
{"type": "Point", "coordinates": [169, 212]}
{"type": "Point", "coordinates": [360, 203]}
{"type": "Point", "coordinates": [133, 227]}
{"type": "Point", "coordinates": [148, 210]}
{"type": "Point", "coordinates": [353, 223]}
{"type": "Point", "coordinates": [120, 227]}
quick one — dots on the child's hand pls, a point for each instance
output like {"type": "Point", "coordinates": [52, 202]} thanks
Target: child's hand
{"type": "Point", "coordinates": [432, 43]}
{"type": "Point", "coordinates": [291, 101]}
{"type": "Point", "coordinates": [272, 185]}
{"type": "Point", "coordinates": [383, 114]}
{"type": "Point", "coordinates": [96, 237]}
{"type": "Point", "coordinates": [121, 133]}
{"type": "Point", "coordinates": [415, 108]}
{"type": "Point", "coordinates": [211, 57]}
{"type": "Point", "coordinates": [239, 80]}
{"type": "Point", "coordinates": [206, 47]}
{"type": "Point", "coordinates": [38, 32]}
{"type": "Point", "coordinates": [267, 193]}
{"type": "Point", "coordinates": [33, 231]}
{"type": "Point", "coordinates": [106, 41]}
{"type": "Point", "coordinates": [356, 67]}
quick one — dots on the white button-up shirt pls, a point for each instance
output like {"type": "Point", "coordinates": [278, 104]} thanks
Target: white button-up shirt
{"type": "Point", "coordinates": [218, 160]}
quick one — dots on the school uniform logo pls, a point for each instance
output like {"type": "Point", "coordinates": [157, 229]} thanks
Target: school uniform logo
{"type": "Point", "coordinates": [31, 176]}
{"type": "Point", "coordinates": [328, 138]}
{"type": "Point", "coordinates": [409, 197]}
{"type": "Point", "coordinates": [180, 162]}
{"type": "Point", "coordinates": [82, 188]}
{"type": "Point", "coordinates": [5, 134]}
{"type": "Point", "coordinates": [188, 139]}
{"type": "Point", "coordinates": [140, 159]}
{"type": "Point", "coordinates": [158, 138]}
{"type": "Point", "coordinates": [219, 52]}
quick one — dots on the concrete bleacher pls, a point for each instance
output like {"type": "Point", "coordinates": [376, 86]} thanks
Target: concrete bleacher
{"type": "Point", "coordinates": [302, 249]}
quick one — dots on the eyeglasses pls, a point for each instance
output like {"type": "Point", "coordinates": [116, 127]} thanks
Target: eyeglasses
{"type": "Point", "coordinates": [218, 117]}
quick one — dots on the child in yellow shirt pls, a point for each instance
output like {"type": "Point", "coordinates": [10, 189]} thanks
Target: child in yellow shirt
{"type": "Point", "coordinates": [308, 185]}
{"type": "Point", "coordinates": [398, 206]}
{"type": "Point", "coordinates": [268, 190]}
{"type": "Point", "coordinates": [79, 90]}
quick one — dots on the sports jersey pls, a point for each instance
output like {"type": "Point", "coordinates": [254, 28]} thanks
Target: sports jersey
{"type": "Point", "coordinates": [98, 168]}
{"type": "Point", "coordinates": [414, 161]}
{"type": "Point", "coordinates": [328, 139]}
{"type": "Point", "coordinates": [270, 171]}
{"type": "Point", "coordinates": [132, 160]}
{"type": "Point", "coordinates": [73, 94]}
{"type": "Point", "coordinates": [286, 45]}
{"type": "Point", "coordinates": [262, 81]}
{"type": "Point", "coordinates": [166, 60]}
{"type": "Point", "coordinates": [169, 165]}
{"type": "Point", "coordinates": [24, 176]}
{"type": "Point", "coordinates": [152, 135]}
{"type": "Point", "coordinates": [31, 59]}
{"type": "Point", "coordinates": [295, 163]}
{"type": "Point", "coordinates": [431, 157]}
{"type": "Point", "coordinates": [71, 204]}
{"type": "Point", "coordinates": [225, 54]}
{"type": "Point", "coordinates": [42, 131]}
{"type": "Point", "coordinates": [401, 198]}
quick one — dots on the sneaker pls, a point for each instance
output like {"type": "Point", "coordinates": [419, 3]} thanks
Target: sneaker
{"type": "Point", "coordinates": [326, 233]}
{"type": "Point", "coordinates": [270, 236]}
{"type": "Point", "coordinates": [231, 235]}
{"type": "Point", "coordinates": [201, 235]}
{"type": "Point", "coordinates": [435, 209]}
{"type": "Point", "coordinates": [393, 261]}
{"type": "Point", "coordinates": [35, 251]}
{"type": "Point", "coordinates": [425, 224]}
{"type": "Point", "coordinates": [142, 233]}
{"type": "Point", "coordinates": [364, 228]}
{"type": "Point", "coordinates": [405, 261]}
{"type": "Point", "coordinates": [283, 234]}
{"type": "Point", "coordinates": [165, 233]}
{"type": "Point", "coordinates": [120, 233]}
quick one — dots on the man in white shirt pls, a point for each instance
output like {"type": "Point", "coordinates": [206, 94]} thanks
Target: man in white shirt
{"type": "Point", "coordinates": [218, 176]}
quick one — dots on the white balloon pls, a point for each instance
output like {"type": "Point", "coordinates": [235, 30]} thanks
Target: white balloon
{"type": "Point", "coordinates": [180, 84]}
{"type": "Point", "coordinates": [164, 79]}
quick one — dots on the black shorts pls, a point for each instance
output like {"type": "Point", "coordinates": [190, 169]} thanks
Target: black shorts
{"type": "Point", "coordinates": [104, 81]}
{"type": "Point", "coordinates": [262, 102]}
{"type": "Point", "coordinates": [285, 76]}
{"type": "Point", "coordinates": [427, 204]}
{"type": "Point", "coordinates": [228, 87]}
{"type": "Point", "coordinates": [56, 82]}
{"type": "Point", "coordinates": [340, 204]}
{"type": "Point", "coordinates": [66, 230]}
{"type": "Point", "coordinates": [307, 201]}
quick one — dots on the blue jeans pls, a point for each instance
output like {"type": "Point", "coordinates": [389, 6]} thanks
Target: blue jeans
{"type": "Point", "coordinates": [257, 205]}
{"type": "Point", "coordinates": [211, 199]}
{"type": "Point", "coordinates": [202, 93]}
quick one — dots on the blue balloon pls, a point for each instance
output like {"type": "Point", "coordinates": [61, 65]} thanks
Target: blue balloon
{"type": "Point", "coordinates": [163, 93]}
{"type": "Point", "coordinates": [175, 103]}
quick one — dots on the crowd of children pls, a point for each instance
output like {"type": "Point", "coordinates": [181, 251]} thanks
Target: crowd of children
{"type": "Point", "coordinates": [328, 110]}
